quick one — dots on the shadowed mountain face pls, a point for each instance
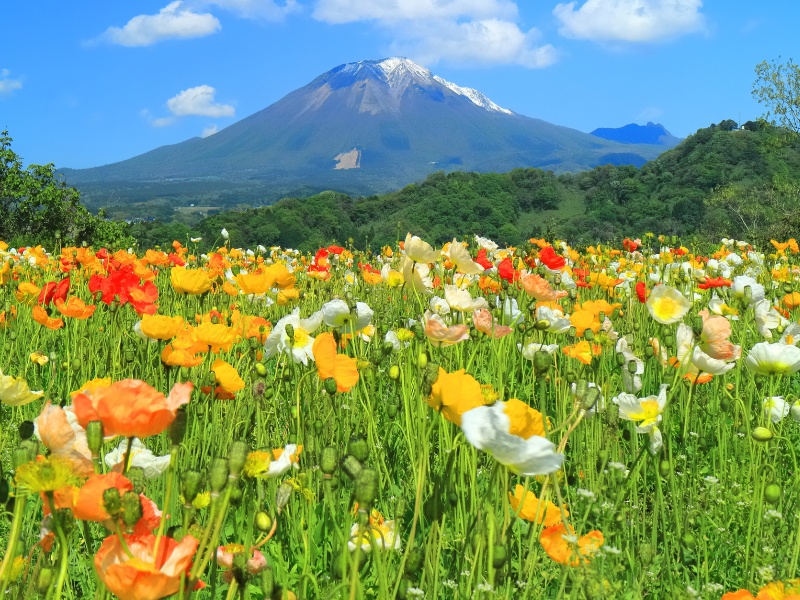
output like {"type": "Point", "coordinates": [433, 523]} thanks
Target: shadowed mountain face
{"type": "Point", "coordinates": [369, 127]}
{"type": "Point", "coordinates": [652, 133]}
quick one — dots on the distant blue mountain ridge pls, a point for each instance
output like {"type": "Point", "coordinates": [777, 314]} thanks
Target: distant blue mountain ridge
{"type": "Point", "coordinates": [652, 133]}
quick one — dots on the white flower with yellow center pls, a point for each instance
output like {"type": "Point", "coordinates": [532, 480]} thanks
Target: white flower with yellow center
{"type": "Point", "coordinates": [513, 434]}
{"type": "Point", "coordinates": [667, 305]}
{"type": "Point", "coordinates": [140, 456]}
{"type": "Point", "coordinates": [742, 283]}
{"type": "Point", "coordinates": [462, 301]}
{"type": "Point", "coordinates": [776, 408]}
{"type": "Point", "coordinates": [645, 412]}
{"type": "Point", "coordinates": [300, 343]}
{"type": "Point", "coordinates": [773, 359]}
{"type": "Point", "coordinates": [337, 314]}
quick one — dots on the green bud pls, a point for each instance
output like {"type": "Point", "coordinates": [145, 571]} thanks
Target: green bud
{"type": "Point", "coordinates": [590, 398]}
{"type": "Point", "coordinates": [392, 410]}
{"type": "Point", "coordinates": [772, 493]}
{"type": "Point", "coordinates": [136, 477]}
{"type": "Point", "coordinates": [689, 540]}
{"type": "Point", "coordinates": [177, 429]}
{"type": "Point", "coordinates": [581, 387]}
{"type": "Point", "coordinates": [327, 463]}
{"type": "Point", "coordinates": [571, 377]}
{"type": "Point", "coordinates": [94, 437]}
{"type": "Point", "coordinates": [422, 360]}
{"type": "Point", "coordinates": [499, 556]}
{"type": "Point", "coordinates": [620, 358]}
{"type": "Point", "coordinates": [263, 521]}
{"type": "Point", "coordinates": [415, 560]}
{"type": "Point", "coordinates": [261, 369]}
{"type": "Point", "coordinates": [131, 509]}
{"type": "Point", "coordinates": [237, 455]}
{"type": "Point", "coordinates": [366, 488]}
{"type": "Point", "coordinates": [282, 496]}
{"type": "Point", "coordinates": [330, 385]}
{"type": "Point", "coordinates": [352, 467]}
{"type": "Point", "coordinates": [541, 362]}
{"type": "Point", "coordinates": [112, 502]}
{"type": "Point", "coordinates": [761, 434]}
{"type": "Point", "coordinates": [190, 485]}
{"type": "Point", "coordinates": [664, 468]}
{"type": "Point", "coordinates": [394, 372]}
{"type": "Point", "coordinates": [44, 582]}
{"type": "Point", "coordinates": [649, 352]}
{"type": "Point", "coordinates": [289, 329]}
{"type": "Point", "coordinates": [31, 446]}
{"type": "Point", "coordinates": [358, 447]}
{"type": "Point", "coordinates": [588, 335]}
{"type": "Point", "coordinates": [218, 475]}
{"type": "Point", "coordinates": [318, 427]}
{"type": "Point", "coordinates": [542, 324]}
{"type": "Point", "coordinates": [632, 367]}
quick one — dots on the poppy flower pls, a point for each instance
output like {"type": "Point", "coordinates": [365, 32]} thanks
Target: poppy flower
{"type": "Point", "coordinates": [455, 393]}
{"type": "Point", "coordinates": [15, 391]}
{"type": "Point", "coordinates": [54, 290]}
{"type": "Point", "coordinates": [563, 546]}
{"type": "Point", "coordinates": [506, 270]}
{"type": "Point", "coordinates": [538, 287]}
{"type": "Point", "coordinates": [440, 335]}
{"type": "Point", "coordinates": [527, 506]}
{"type": "Point", "coordinates": [139, 456]}
{"type": "Point", "coordinates": [667, 305]}
{"type": "Point", "coordinates": [261, 463]}
{"type": "Point", "coordinates": [226, 554]}
{"type": "Point", "coordinates": [90, 504]}
{"type": "Point", "coordinates": [190, 281]}
{"type": "Point", "coordinates": [738, 595]}
{"type": "Point", "coordinates": [131, 407]}
{"type": "Point", "coordinates": [301, 341]}
{"type": "Point", "coordinates": [26, 293]}
{"type": "Point", "coordinates": [161, 327]}
{"type": "Point", "coordinates": [485, 322]}
{"type": "Point", "coordinates": [75, 308]}
{"type": "Point", "coordinates": [645, 412]}
{"type": "Point", "coordinates": [462, 260]}
{"type": "Point", "coordinates": [227, 376]}
{"type": "Point", "coordinates": [513, 433]}
{"type": "Point", "coordinates": [256, 283]}
{"type": "Point", "coordinates": [551, 260]}
{"type": "Point", "coordinates": [714, 282]}
{"type": "Point", "coordinates": [773, 359]}
{"type": "Point", "coordinates": [337, 314]}
{"type": "Point", "coordinates": [641, 291]}
{"type": "Point", "coordinates": [419, 250]}
{"type": "Point", "coordinates": [62, 439]}
{"type": "Point", "coordinates": [40, 316]}
{"type": "Point", "coordinates": [339, 367]}
{"type": "Point", "coordinates": [583, 351]}
{"type": "Point", "coordinates": [216, 335]}
{"type": "Point", "coordinates": [136, 573]}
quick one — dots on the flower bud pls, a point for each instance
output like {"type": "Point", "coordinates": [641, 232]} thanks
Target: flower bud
{"type": "Point", "coordinates": [218, 475]}
{"type": "Point", "coordinates": [581, 387]}
{"type": "Point", "coordinates": [44, 582]}
{"type": "Point", "coordinates": [282, 496]}
{"type": "Point", "coordinates": [25, 430]}
{"type": "Point", "coordinates": [177, 429]}
{"type": "Point", "coordinates": [112, 502]}
{"type": "Point", "coordinates": [620, 358]}
{"type": "Point", "coordinates": [359, 448]}
{"type": "Point", "coordinates": [94, 437]}
{"type": "Point", "coordinates": [330, 385]}
{"type": "Point", "coordinates": [237, 455]}
{"type": "Point", "coordinates": [263, 521]}
{"type": "Point", "coordinates": [632, 367]}
{"type": "Point", "coordinates": [31, 446]}
{"type": "Point", "coordinates": [366, 488]}
{"type": "Point", "coordinates": [289, 329]}
{"type": "Point", "coordinates": [795, 411]}
{"type": "Point", "coordinates": [541, 324]}
{"type": "Point", "coordinates": [588, 335]}
{"type": "Point", "coordinates": [541, 362]}
{"type": "Point", "coordinates": [318, 427]}
{"type": "Point", "coordinates": [761, 434]}
{"type": "Point", "coordinates": [261, 369]}
{"type": "Point", "coordinates": [190, 485]}
{"type": "Point", "coordinates": [131, 509]}
{"type": "Point", "coordinates": [590, 398]}
{"type": "Point", "coordinates": [327, 463]}
{"type": "Point", "coordinates": [422, 360]}
{"type": "Point", "coordinates": [136, 476]}
{"type": "Point", "coordinates": [352, 467]}
{"type": "Point", "coordinates": [499, 556]}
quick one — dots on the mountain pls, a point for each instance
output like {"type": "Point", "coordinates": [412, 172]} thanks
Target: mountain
{"type": "Point", "coordinates": [652, 133]}
{"type": "Point", "coordinates": [363, 128]}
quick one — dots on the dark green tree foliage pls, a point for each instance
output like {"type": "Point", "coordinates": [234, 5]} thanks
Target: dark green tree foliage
{"type": "Point", "coordinates": [37, 207]}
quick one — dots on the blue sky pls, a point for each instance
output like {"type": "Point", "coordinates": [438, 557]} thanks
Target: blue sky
{"type": "Point", "coordinates": [92, 82]}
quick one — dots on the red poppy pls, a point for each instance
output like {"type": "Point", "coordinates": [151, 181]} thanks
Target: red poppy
{"type": "Point", "coordinates": [507, 271]}
{"type": "Point", "coordinates": [482, 260]}
{"type": "Point", "coordinates": [715, 282]}
{"type": "Point", "coordinates": [641, 291]}
{"type": "Point", "coordinates": [630, 245]}
{"type": "Point", "coordinates": [551, 260]}
{"type": "Point", "coordinates": [54, 290]}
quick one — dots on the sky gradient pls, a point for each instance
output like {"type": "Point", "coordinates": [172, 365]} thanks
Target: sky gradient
{"type": "Point", "coordinates": [88, 83]}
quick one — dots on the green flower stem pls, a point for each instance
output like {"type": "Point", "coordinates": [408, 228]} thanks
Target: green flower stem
{"type": "Point", "coordinates": [16, 527]}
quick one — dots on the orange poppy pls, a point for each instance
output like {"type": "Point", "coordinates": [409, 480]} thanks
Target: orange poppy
{"type": "Point", "coordinates": [563, 546]}
{"type": "Point", "coordinates": [90, 505]}
{"type": "Point", "coordinates": [538, 287]}
{"type": "Point", "coordinates": [227, 376]}
{"type": "Point", "coordinates": [738, 595]}
{"type": "Point", "coordinates": [75, 308]}
{"type": "Point", "coordinates": [583, 351]}
{"type": "Point", "coordinates": [131, 408]}
{"type": "Point", "coordinates": [144, 576]}
{"type": "Point", "coordinates": [40, 316]}
{"type": "Point", "coordinates": [533, 509]}
{"type": "Point", "coordinates": [455, 393]}
{"type": "Point", "coordinates": [340, 367]}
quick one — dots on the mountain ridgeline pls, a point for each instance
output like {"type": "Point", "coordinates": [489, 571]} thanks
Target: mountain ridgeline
{"type": "Point", "coordinates": [721, 181]}
{"type": "Point", "coordinates": [361, 128]}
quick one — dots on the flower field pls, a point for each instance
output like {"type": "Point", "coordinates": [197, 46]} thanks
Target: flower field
{"type": "Point", "coordinates": [468, 421]}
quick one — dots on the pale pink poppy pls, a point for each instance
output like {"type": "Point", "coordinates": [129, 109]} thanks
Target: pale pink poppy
{"type": "Point", "coordinates": [714, 338]}
{"type": "Point", "coordinates": [439, 334]}
{"type": "Point", "coordinates": [485, 323]}
{"type": "Point", "coordinates": [62, 439]}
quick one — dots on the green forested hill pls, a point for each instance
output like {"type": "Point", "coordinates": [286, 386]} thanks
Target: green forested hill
{"type": "Point", "coordinates": [723, 180]}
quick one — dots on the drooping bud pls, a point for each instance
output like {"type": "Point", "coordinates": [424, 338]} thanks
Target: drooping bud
{"type": "Point", "coordinates": [112, 502]}
{"type": "Point", "coordinates": [237, 455]}
{"type": "Point", "coordinates": [330, 385]}
{"type": "Point", "coordinates": [282, 496]}
{"type": "Point", "coordinates": [44, 582]}
{"type": "Point", "coordinates": [94, 437]}
{"type": "Point", "coordinates": [263, 521]}
{"type": "Point", "coordinates": [772, 493]}
{"type": "Point", "coordinates": [261, 369]}
{"type": "Point", "coordinates": [761, 434]}
{"type": "Point", "coordinates": [590, 398]}
{"type": "Point", "coordinates": [289, 329]}
{"type": "Point", "coordinates": [541, 362]}
{"type": "Point", "coordinates": [422, 360]}
{"type": "Point", "coordinates": [218, 475]}
{"type": "Point", "coordinates": [328, 460]}
{"type": "Point", "coordinates": [366, 488]}
{"type": "Point", "coordinates": [358, 447]}
{"type": "Point", "coordinates": [352, 467]}
{"type": "Point", "coordinates": [131, 509]}
{"type": "Point", "coordinates": [190, 485]}
{"type": "Point", "coordinates": [632, 367]}
{"type": "Point", "coordinates": [394, 372]}
{"type": "Point", "coordinates": [588, 335]}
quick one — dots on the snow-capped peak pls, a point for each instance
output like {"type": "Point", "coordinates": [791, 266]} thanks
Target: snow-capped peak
{"type": "Point", "coordinates": [473, 95]}
{"type": "Point", "coordinates": [395, 68]}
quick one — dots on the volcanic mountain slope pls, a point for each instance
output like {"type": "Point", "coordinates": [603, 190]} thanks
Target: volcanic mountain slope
{"type": "Point", "coordinates": [368, 127]}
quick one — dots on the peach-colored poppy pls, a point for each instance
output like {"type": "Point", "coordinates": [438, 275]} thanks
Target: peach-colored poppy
{"type": "Point", "coordinates": [40, 316]}
{"type": "Point", "coordinates": [144, 576]}
{"type": "Point", "coordinates": [714, 338]}
{"type": "Point", "coordinates": [62, 440]}
{"type": "Point", "coordinates": [538, 287]}
{"type": "Point", "coordinates": [485, 323]}
{"type": "Point", "coordinates": [440, 334]}
{"type": "Point", "coordinates": [75, 307]}
{"type": "Point", "coordinates": [340, 367]}
{"type": "Point", "coordinates": [564, 547]}
{"type": "Point", "coordinates": [131, 407]}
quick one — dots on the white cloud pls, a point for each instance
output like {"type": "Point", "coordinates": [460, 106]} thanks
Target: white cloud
{"type": "Point", "coordinates": [8, 85]}
{"type": "Point", "coordinates": [172, 22]}
{"type": "Point", "coordinates": [269, 10]}
{"type": "Point", "coordinates": [348, 11]}
{"type": "Point", "coordinates": [199, 101]}
{"type": "Point", "coordinates": [162, 121]}
{"type": "Point", "coordinates": [210, 130]}
{"type": "Point", "coordinates": [630, 20]}
{"type": "Point", "coordinates": [490, 41]}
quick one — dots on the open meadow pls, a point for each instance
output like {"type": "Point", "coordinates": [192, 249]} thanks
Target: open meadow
{"type": "Point", "coordinates": [470, 421]}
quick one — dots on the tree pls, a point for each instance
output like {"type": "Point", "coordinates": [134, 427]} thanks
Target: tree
{"type": "Point", "coordinates": [777, 85]}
